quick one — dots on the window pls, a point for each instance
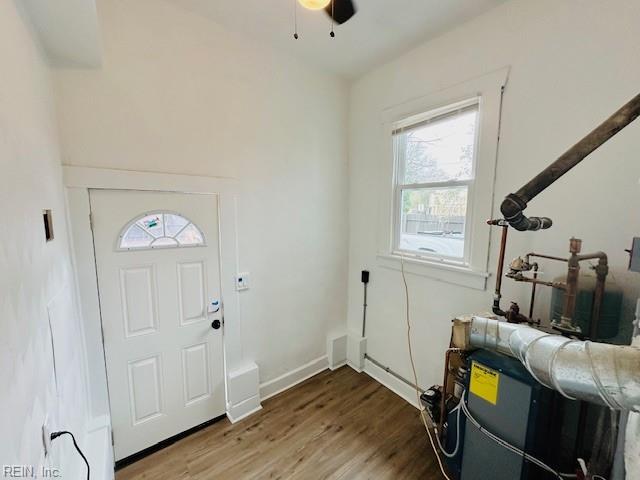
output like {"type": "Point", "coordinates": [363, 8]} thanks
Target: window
{"type": "Point", "coordinates": [434, 180]}
{"type": "Point", "coordinates": [435, 169]}
{"type": "Point", "coordinates": [160, 230]}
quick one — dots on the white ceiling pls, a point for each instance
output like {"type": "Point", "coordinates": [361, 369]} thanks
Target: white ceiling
{"type": "Point", "coordinates": [68, 30]}
{"type": "Point", "coordinates": [380, 30]}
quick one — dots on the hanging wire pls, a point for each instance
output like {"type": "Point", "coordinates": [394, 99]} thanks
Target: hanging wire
{"type": "Point", "coordinates": [295, 19]}
{"type": "Point", "coordinates": [332, 33]}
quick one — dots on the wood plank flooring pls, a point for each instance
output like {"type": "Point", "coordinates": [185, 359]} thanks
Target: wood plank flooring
{"type": "Point", "coordinates": [336, 425]}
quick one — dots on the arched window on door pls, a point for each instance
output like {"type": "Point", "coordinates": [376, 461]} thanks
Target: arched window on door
{"type": "Point", "coordinates": [160, 229]}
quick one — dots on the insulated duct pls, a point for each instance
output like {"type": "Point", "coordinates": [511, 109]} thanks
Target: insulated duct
{"type": "Point", "coordinates": [595, 372]}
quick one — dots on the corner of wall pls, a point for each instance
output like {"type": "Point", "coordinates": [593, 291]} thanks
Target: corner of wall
{"type": "Point", "coordinates": [356, 349]}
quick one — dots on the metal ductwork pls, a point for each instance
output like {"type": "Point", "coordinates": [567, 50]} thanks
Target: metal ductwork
{"type": "Point", "coordinates": [580, 370]}
{"type": "Point", "coordinates": [514, 204]}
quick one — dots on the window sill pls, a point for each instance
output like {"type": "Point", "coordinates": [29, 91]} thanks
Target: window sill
{"type": "Point", "coordinates": [463, 276]}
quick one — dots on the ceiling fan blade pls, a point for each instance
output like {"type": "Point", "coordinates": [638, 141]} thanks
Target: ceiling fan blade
{"type": "Point", "coordinates": [342, 10]}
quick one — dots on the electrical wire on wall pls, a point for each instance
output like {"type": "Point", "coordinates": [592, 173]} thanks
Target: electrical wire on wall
{"type": "Point", "coordinates": [423, 418]}
{"type": "Point", "coordinates": [55, 435]}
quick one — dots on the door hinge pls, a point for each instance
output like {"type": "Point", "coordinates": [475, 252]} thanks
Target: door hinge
{"type": "Point", "coordinates": [113, 442]}
{"type": "Point", "coordinates": [91, 220]}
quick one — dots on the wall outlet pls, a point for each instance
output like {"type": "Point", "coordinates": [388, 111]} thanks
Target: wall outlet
{"type": "Point", "coordinates": [46, 436]}
{"type": "Point", "coordinates": [242, 281]}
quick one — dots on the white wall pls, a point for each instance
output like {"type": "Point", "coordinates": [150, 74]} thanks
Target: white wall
{"type": "Point", "coordinates": [573, 63]}
{"type": "Point", "coordinates": [36, 284]}
{"type": "Point", "coordinates": [179, 94]}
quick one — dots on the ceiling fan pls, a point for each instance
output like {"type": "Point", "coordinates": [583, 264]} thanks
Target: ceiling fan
{"type": "Point", "coordinates": [340, 11]}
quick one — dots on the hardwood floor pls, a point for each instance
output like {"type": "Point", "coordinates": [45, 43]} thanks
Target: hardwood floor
{"type": "Point", "coordinates": [336, 425]}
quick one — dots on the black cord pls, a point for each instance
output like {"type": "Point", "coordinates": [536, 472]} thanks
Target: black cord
{"type": "Point", "coordinates": [55, 435]}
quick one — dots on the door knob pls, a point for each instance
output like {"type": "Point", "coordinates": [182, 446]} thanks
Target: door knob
{"type": "Point", "coordinates": [215, 324]}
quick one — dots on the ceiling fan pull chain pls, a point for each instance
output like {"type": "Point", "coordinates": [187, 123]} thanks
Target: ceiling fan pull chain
{"type": "Point", "coordinates": [295, 19]}
{"type": "Point", "coordinates": [332, 33]}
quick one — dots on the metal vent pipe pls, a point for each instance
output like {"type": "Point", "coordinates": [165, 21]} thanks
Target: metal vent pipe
{"type": "Point", "coordinates": [515, 203]}
{"type": "Point", "coordinates": [595, 372]}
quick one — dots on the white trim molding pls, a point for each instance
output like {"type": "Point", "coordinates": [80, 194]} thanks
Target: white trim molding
{"type": "Point", "coordinates": [290, 379]}
{"type": "Point", "coordinates": [112, 179]}
{"type": "Point", "coordinates": [472, 272]}
{"type": "Point", "coordinates": [99, 453]}
{"type": "Point", "coordinates": [243, 392]}
{"type": "Point", "coordinates": [244, 409]}
{"type": "Point", "coordinates": [463, 276]}
{"type": "Point", "coordinates": [394, 384]}
{"type": "Point", "coordinates": [78, 181]}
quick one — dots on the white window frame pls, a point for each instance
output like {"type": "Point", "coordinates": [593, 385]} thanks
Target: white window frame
{"type": "Point", "coordinates": [399, 187]}
{"type": "Point", "coordinates": [472, 272]}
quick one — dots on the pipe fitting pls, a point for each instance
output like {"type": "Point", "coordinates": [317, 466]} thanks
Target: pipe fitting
{"type": "Point", "coordinates": [513, 205]}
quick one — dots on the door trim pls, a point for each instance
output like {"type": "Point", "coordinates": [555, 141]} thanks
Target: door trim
{"type": "Point", "coordinates": [78, 181]}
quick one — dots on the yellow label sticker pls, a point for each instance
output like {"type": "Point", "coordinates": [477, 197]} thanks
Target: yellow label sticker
{"type": "Point", "coordinates": [484, 382]}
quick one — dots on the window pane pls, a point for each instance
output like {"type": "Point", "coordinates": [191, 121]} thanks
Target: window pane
{"type": "Point", "coordinates": [440, 151]}
{"type": "Point", "coordinates": [152, 224]}
{"type": "Point", "coordinates": [173, 224]}
{"type": "Point", "coordinates": [190, 236]}
{"type": "Point", "coordinates": [135, 237]}
{"type": "Point", "coordinates": [433, 221]}
{"type": "Point", "coordinates": [164, 242]}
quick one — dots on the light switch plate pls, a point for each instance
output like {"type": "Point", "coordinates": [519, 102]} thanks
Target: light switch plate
{"type": "Point", "coordinates": [242, 281]}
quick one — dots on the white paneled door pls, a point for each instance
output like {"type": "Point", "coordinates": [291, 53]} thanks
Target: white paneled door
{"type": "Point", "coordinates": [159, 280]}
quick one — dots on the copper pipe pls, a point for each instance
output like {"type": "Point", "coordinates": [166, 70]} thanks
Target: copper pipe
{"type": "Point", "coordinates": [501, 255]}
{"type": "Point", "coordinates": [573, 274]}
{"type": "Point", "coordinates": [519, 277]}
{"type": "Point", "coordinates": [598, 297]}
{"type": "Point", "coordinates": [567, 320]}
{"type": "Point", "coordinates": [445, 383]}
{"type": "Point", "coordinates": [602, 270]}
{"type": "Point", "coordinates": [497, 296]}
{"type": "Point", "coordinates": [533, 290]}
{"type": "Point", "coordinates": [593, 256]}
{"type": "Point", "coordinates": [548, 257]}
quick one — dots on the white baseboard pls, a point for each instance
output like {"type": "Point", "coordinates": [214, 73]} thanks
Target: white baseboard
{"type": "Point", "coordinates": [392, 383]}
{"type": "Point", "coordinates": [289, 379]}
{"type": "Point", "coordinates": [355, 367]}
{"type": "Point", "coordinates": [242, 410]}
{"type": "Point", "coordinates": [356, 349]}
{"type": "Point", "coordinates": [340, 365]}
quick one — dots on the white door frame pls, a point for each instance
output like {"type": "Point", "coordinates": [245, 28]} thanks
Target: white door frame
{"type": "Point", "coordinates": [78, 181]}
